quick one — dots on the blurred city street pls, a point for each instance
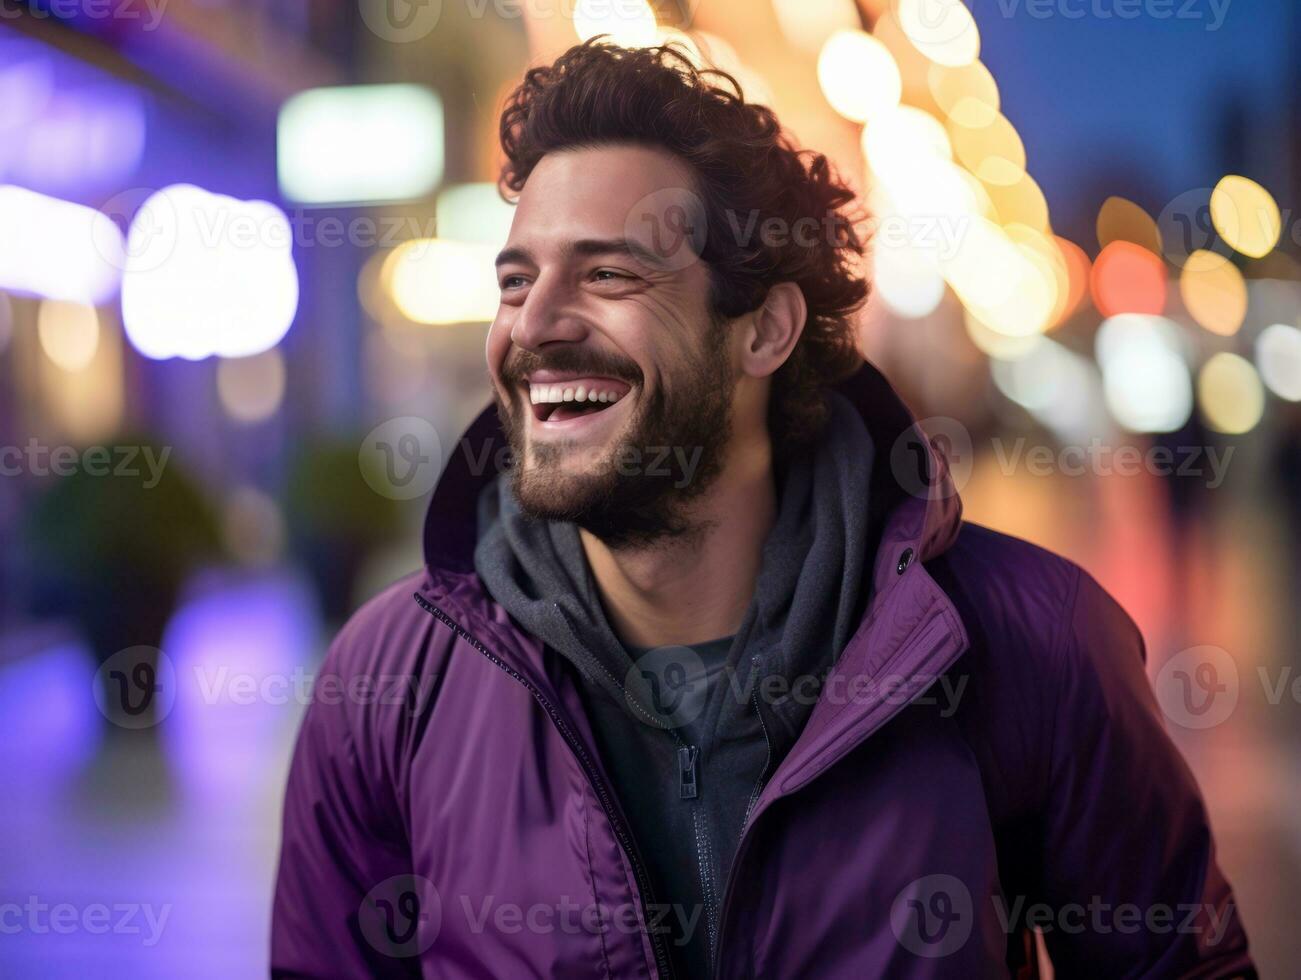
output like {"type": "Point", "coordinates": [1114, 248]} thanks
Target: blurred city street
{"type": "Point", "coordinates": [246, 278]}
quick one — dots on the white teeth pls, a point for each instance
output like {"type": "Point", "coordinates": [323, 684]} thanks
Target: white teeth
{"type": "Point", "coordinates": [550, 394]}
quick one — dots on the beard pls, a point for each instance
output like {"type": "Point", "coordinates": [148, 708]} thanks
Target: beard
{"type": "Point", "coordinates": [638, 491]}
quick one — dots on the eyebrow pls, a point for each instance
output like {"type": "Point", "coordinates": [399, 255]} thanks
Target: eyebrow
{"type": "Point", "coordinates": [586, 247]}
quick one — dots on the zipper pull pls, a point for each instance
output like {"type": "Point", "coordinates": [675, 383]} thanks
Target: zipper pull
{"type": "Point", "coordinates": [687, 770]}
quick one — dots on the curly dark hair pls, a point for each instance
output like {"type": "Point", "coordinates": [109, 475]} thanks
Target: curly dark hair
{"type": "Point", "coordinates": [748, 172]}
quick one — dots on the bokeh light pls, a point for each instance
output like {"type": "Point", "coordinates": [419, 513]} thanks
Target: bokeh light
{"type": "Point", "coordinates": [944, 32]}
{"type": "Point", "coordinates": [907, 279]}
{"type": "Point", "coordinates": [808, 23]}
{"type": "Point", "coordinates": [56, 249]}
{"type": "Point", "coordinates": [1121, 220]}
{"type": "Point", "coordinates": [1278, 358]}
{"type": "Point", "coordinates": [473, 213]}
{"type": "Point", "coordinates": [1246, 215]}
{"type": "Point", "coordinates": [1021, 202]}
{"type": "Point", "coordinates": [993, 152]}
{"type": "Point", "coordinates": [896, 139]}
{"type": "Point", "coordinates": [858, 75]}
{"type": "Point", "coordinates": [967, 95]}
{"type": "Point", "coordinates": [253, 526]}
{"type": "Point", "coordinates": [208, 274]}
{"type": "Point", "coordinates": [1146, 382]}
{"type": "Point", "coordinates": [1127, 278]}
{"type": "Point", "coordinates": [1078, 271]}
{"type": "Point", "coordinates": [1229, 394]}
{"type": "Point", "coordinates": [630, 23]}
{"type": "Point", "coordinates": [1007, 285]}
{"type": "Point", "coordinates": [995, 344]}
{"type": "Point", "coordinates": [69, 333]}
{"type": "Point", "coordinates": [435, 281]}
{"type": "Point", "coordinates": [251, 388]}
{"type": "Point", "coordinates": [359, 143]}
{"type": "Point", "coordinates": [1213, 292]}
{"type": "Point", "coordinates": [1052, 383]}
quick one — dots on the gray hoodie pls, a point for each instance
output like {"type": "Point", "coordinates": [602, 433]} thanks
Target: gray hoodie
{"type": "Point", "coordinates": [689, 734]}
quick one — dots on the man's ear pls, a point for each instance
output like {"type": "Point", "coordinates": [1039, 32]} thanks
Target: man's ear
{"type": "Point", "coordinates": [773, 330]}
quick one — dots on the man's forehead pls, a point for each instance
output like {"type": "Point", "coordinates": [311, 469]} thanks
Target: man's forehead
{"type": "Point", "coordinates": [600, 185]}
{"type": "Point", "coordinates": [633, 199]}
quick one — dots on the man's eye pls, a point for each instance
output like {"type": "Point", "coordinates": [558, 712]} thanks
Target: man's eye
{"type": "Point", "coordinates": [611, 274]}
{"type": "Point", "coordinates": [509, 282]}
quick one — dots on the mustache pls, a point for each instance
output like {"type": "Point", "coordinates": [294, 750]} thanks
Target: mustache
{"type": "Point", "coordinates": [520, 363]}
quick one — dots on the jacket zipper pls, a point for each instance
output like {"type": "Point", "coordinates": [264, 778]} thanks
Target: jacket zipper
{"type": "Point", "coordinates": [662, 962]}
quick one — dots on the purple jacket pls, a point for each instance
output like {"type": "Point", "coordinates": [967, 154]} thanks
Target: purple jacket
{"type": "Point", "coordinates": [985, 756]}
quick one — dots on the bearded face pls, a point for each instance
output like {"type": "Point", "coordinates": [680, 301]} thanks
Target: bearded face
{"type": "Point", "coordinates": [613, 380]}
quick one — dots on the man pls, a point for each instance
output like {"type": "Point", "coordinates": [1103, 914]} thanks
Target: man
{"type": "Point", "coordinates": [713, 680]}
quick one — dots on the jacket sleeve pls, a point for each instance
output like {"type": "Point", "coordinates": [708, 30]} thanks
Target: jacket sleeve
{"type": "Point", "coordinates": [1129, 867]}
{"type": "Point", "coordinates": [341, 845]}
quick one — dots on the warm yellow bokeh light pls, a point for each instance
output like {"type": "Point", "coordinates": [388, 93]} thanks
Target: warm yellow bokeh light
{"type": "Point", "coordinates": [69, 333]}
{"type": "Point", "coordinates": [1229, 393]}
{"type": "Point", "coordinates": [437, 281]}
{"type": "Point", "coordinates": [1054, 264]}
{"type": "Point", "coordinates": [944, 32]}
{"type": "Point", "coordinates": [994, 153]}
{"type": "Point", "coordinates": [1021, 203]}
{"type": "Point", "coordinates": [1008, 286]}
{"type": "Point", "coordinates": [895, 140]}
{"type": "Point", "coordinates": [858, 75]}
{"type": "Point", "coordinates": [629, 23]}
{"type": "Point", "coordinates": [87, 406]}
{"type": "Point", "coordinates": [1123, 220]}
{"type": "Point", "coordinates": [933, 195]}
{"type": "Point", "coordinates": [966, 95]}
{"type": "Point", "coordinates": [1246, 216]}
{"type": "Point", "coordinates": [808, 23]}
{"type": "Point", "coordinates": [996, 344]}
{"type": "Point", "coordinates": [1213, 292]}
{"type": "Point", "coordinates": [906, 279]}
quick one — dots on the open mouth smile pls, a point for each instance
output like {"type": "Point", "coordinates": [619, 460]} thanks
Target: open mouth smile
{"type": "Point", "coordinates": [567, 404]}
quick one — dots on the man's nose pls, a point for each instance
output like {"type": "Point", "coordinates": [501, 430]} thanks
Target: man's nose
{"type": "Point", "coordinates": [547, 314]}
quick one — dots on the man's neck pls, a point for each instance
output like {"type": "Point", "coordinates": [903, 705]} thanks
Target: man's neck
{"type": "Point", "coordinates": [699, 587]}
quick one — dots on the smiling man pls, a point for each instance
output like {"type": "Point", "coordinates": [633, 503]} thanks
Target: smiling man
{"type": "Point", "coordinates": [713, 680]}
